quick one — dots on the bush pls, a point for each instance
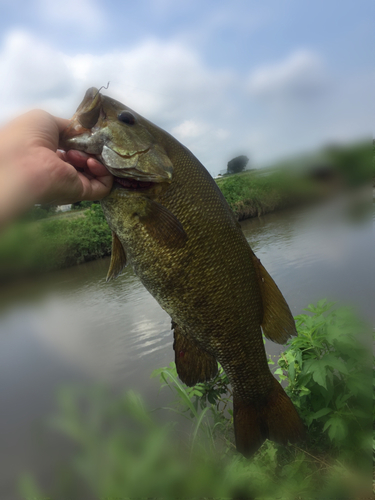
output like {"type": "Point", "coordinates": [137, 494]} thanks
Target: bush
{"type": "Point", "coordinates": [237, 165]}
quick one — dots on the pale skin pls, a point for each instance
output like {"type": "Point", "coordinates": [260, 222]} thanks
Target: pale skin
{"type": "Point", "coordinates": [33, 171]}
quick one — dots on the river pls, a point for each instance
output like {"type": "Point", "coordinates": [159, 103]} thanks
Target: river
{"type": "Point", "coordinates": [71, 327]}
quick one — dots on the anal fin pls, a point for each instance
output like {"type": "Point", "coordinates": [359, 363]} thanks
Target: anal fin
{"type": "Point", "coordinates": [192, 363]}
{"type": "Point", "coordinates": [278, 323]}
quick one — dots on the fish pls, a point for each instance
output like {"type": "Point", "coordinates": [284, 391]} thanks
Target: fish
{"type": "Point", "coordinates": [171, 223]}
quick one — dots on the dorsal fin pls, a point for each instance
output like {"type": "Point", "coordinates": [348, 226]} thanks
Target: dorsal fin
{"type": "Point", "coordinates": [118, 258]}
{"type": "Point", "coordinates": [278, 323]}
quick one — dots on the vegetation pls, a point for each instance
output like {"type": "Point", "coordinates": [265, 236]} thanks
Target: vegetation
{"type": "Point", "coordinates": [237, 165]}
{"type": "Point", "coordinates": [80, 205]}
{"type": "Point", "coordinates": [255, 193]}
{"type": "Point", "coordinates": [34, 245]}
{"type": "Point", "coordinates": [52, 244]}
{"type": "Point", "coordinates": [123, 451]}
{"type": "Point", "coordinates": [39, 212]}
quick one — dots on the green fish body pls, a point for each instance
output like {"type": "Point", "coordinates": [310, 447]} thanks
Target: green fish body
{"type": "Point", "coordinates": [170, 221]}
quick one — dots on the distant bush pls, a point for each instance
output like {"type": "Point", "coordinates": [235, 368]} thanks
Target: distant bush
{"type": "Point", "coordinates": [39, 212]}
{"type": "Point", "coordinates": [237, 165]}
{"type": "Point", "coordinates": [80, 205]}
{"type": "Point", "coordinates": [353, 163]}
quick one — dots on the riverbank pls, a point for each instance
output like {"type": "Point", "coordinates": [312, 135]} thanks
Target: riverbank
{"type": "Point", "coordinates": [28, 248]}
{"type": "Point", "coordinates": [256, 193]}
{"type": "Point", "coordinates": [59, 241]}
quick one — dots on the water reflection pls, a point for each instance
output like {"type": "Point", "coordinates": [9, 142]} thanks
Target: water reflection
{"type": "Point", "coordinates": [316, 253]}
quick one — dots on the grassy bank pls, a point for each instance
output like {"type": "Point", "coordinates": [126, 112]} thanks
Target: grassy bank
{"type": "Point", "coordinates": [123, 450]}
{"type": "Point", "coordinates": [255, 193]}
{"type": "Point", "coordinates": [42, 242]}
{"type": "Point", "coordinates": [59, 241]}
{"type": "Point", "coordinates": [34, 247]}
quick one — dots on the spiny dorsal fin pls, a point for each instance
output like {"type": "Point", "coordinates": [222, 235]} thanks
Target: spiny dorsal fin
{"type": "Point", "coordinates": [278, 323]}
{"type": "Point", "coordinates": [192, 363]}
{"type": "Point", "coordinates": [118, 258]}
{"type": "Point", "coordinates": [162, 225]}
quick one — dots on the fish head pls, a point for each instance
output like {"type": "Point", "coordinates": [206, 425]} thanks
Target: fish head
{"type": "Point", "coordinates": [119, 138]}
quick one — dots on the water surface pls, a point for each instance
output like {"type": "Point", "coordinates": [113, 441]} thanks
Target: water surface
{"type": "Point", "coordinates": [72, 327]}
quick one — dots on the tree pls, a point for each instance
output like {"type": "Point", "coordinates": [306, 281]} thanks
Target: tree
{"type": "Point", "coordinates": [238, 164]}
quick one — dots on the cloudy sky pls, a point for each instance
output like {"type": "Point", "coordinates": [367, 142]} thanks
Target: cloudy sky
{"type": "Point", "coordinates": [266, 79]}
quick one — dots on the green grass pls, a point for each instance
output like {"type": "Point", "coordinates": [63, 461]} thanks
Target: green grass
{"type": "Point", "coordinates": [255, 193]}
{"type": "Point", "coordinates": [34, 247]}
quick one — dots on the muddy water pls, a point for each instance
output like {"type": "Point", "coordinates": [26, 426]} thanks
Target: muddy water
{"type": "Point", "coordinates": [72, 327]}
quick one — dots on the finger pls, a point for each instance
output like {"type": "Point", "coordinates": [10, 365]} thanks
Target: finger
{"type": "Point", "coordinates": [61, 155]}
{"type": "Point", "coordinates": [62, 123]}
{"type": "Point", "coordinates": [91, 165]}
{"type": "Point", "coordinates": [77, 158]}
{"type": "Point", "coordinates": [95, 188]}
{"type": "Point", "coordinates": [96, 168]}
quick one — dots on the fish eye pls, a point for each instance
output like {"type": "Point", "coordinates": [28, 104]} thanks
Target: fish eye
{"type": "Point", "coordinates": [126, 117]}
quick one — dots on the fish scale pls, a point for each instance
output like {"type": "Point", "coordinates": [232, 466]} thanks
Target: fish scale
{"type": "Point", "coordinates": [175, 228]}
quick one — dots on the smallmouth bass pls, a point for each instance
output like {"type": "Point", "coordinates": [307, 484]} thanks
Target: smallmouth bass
{"type": "Point", "coordinates": [170, 221]}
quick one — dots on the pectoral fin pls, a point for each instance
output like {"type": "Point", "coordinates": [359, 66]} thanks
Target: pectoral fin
{"type": "Point", "coordinates": [163, 226]}
{"type": "Point", "coordinates": [118, 258]}
{"type": "Point", "coordinates": [278, 324]}
{"type": "Point", "coordinates": [193, 365]}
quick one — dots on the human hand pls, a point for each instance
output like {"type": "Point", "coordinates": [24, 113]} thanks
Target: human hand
{"type": "Point", "coordinates": [33, 171]}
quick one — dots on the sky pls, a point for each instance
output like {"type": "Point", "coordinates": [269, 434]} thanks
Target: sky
{"type": "Point", "coordinates": [267, 79]}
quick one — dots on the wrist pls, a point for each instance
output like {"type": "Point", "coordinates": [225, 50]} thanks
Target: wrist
{"type": "Point", "coordinates": [16, 192]}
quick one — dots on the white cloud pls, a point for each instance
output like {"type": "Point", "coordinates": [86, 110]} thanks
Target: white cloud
{"type": "Point", "coordinates": [209, 110]}
{"type": "Point", "coordinates": [300, 76]}
{"type": "Point", "coordinates": [189, 128]}
{"type": "Point", "coordinates": [33, 74]}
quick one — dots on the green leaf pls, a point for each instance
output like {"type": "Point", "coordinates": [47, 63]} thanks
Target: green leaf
{"type": "Point", "coordinates": [319, 372]}
{"type": "Point", "coordinates": [321, 413]}
{"type": "Point", "coordinates": [304, 390]}
{"type": "Point", "coordinates": [337, 428]}
{"type": "Point", "coordinates": [335, 363]}
{"type": "Point", "coordinates": [198, 424]}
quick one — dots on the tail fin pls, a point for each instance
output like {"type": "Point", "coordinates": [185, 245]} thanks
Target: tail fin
{"type": "Point", "coordinates": [276, 419]}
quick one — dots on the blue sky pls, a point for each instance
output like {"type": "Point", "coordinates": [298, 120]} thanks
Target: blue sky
{"type": "Point", "coordinates": [267, 79]}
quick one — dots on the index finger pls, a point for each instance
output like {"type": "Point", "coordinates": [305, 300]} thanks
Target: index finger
{"type": "Point", "coordinates": [62, 123]}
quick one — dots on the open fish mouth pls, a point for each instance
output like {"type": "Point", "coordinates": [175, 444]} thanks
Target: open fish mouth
{"type": "Point", "coordinates": [132, 184]}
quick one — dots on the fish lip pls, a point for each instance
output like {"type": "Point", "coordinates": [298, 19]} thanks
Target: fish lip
{"type": "Point", "coordinates": [132, 172]}
{"type": "Point", "coordinates": [118, 184]}
{"type": "Point", "coordinates": [136, 153]}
